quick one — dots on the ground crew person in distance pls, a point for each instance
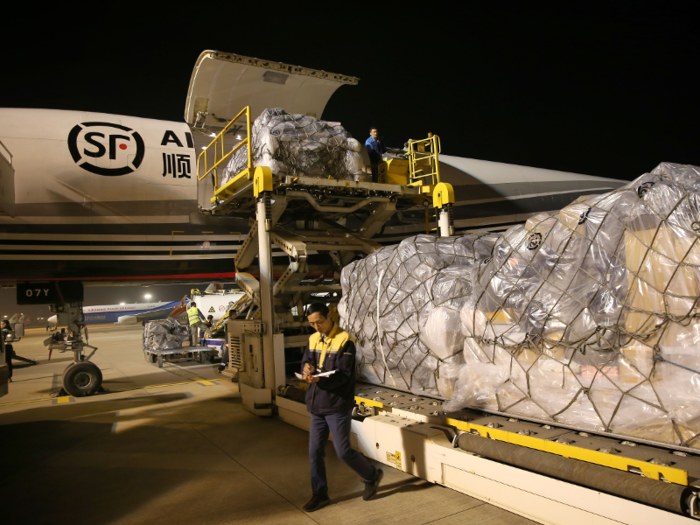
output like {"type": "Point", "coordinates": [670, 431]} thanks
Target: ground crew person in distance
{"type": "Point", "coordinates": [6, 330]}
{"type": "Point", "coordinates": [375, 150]}
{"type": "Point", "coordinates": [195, 317]}
{"type": "Point", "coordinates": [330, 401]}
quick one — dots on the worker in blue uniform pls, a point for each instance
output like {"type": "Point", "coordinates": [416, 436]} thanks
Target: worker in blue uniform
{"type": "Point", "coordinates": [330, 401]}
{"type": "Point", "coordinates": [375, 150]}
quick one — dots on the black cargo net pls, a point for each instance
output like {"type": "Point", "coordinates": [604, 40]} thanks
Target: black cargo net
{"type": "Point", "coordinates": [587, 317]}
{"type": "Point", "coordinates": [163, 335]}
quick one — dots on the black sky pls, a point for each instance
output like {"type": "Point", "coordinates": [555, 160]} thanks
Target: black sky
{"type": "Point", "coordinates": [604, 92]}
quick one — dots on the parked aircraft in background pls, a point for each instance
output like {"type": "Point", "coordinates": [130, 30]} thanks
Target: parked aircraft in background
{"type": "Point", "coordinates": [19, 318]}
{"type": "Point", "coordinates": [125, 314]}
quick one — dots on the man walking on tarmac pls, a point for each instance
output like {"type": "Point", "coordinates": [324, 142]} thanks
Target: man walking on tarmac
{"type": "Point", "coordinates": [330, 399]}
{"type": "Point", "coordinates": [196, 319]}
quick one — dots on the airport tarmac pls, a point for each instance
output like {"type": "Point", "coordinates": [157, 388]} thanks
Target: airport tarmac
{"type": "Point", "coordinates": [174, 445]}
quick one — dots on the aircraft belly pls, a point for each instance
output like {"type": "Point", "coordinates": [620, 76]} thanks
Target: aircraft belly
{"type": "Point", "coordinates": [128, 208]}
{"type": "Point", "coordinates": [42, 251]}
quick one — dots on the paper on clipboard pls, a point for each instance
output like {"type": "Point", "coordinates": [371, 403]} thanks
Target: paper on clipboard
{"type": "Point", "coordinates": [320, 374]}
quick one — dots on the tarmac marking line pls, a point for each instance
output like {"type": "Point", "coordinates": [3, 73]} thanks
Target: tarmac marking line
{"type": "Point", "coordinates": [69, 399]}
{"type": "Point", "coordinates": [28, 401]}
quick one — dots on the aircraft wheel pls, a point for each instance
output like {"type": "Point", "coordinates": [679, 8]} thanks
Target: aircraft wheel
{"type": "Point", "coordinates": [82, 379]}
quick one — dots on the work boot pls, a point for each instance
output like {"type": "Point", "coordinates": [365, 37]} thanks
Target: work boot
{"type": "Point", "coordinates": [371, 488]}
{"type": "Point", "coordinates": [316, 502]}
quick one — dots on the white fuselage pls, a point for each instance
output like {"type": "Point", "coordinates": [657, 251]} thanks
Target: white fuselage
{"type": "Point", "coordinates": [94, 196]}
{"type": "Point", "coordinates": [73, 167]}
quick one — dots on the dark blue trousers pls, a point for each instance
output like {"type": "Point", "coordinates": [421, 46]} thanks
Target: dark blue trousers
{"type": "Point", "coordinates": [339, 426]}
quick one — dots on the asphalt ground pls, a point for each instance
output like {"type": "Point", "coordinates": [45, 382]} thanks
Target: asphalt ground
{"type": "Point", "coordinates": [174, 445]}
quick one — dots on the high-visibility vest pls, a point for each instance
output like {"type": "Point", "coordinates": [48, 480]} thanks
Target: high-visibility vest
{"type": "Point", "coordinates": [193, 315]}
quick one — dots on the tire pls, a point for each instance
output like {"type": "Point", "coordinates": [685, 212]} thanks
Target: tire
{"type": "Point", "coordinates": [203, 357]}
{"type": "Point", "coordinates": [82, 379]}
{"type": "Point", "coordinates": [160, 361]}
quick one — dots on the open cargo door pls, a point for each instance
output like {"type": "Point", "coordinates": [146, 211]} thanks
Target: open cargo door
{"type": "Point", "coordinates": [223, 83]}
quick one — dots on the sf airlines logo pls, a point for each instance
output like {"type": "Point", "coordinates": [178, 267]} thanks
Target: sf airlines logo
{"type": "Point", "coordinates": [106, 149]}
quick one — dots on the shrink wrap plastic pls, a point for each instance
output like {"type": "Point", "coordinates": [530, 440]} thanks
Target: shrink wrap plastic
{"type": "Point", "coordinates": [586, 317]}
{"type": "Point", "coordinates": [164, 335]}
{"type": "Point", "coordinates": [299, 145]}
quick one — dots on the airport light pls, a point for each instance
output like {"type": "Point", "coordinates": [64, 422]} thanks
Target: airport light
{"type": "Point", "coordinates": [147, 296]}
{"type": "Point", "coordinates": [122, 304]}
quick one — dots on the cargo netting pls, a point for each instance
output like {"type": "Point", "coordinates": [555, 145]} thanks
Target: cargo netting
{"type": "Point", "coordinates": [299, 145]}
{"type": "Point", "coordinates": [587, 317]}
{"type": "Point", "coordinates": [163, 335]}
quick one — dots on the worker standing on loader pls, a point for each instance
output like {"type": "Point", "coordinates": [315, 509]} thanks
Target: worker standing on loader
{"type": "Point", "coordinates": [330, 401]}
{"type": "Point", "coordinates": [375, 150]}
{"type": "Point", "coordinates": [196, 320]}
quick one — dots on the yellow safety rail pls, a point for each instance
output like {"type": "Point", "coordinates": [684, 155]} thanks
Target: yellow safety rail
{"type": "Point", "coordinates": [423, 165]}
{"type": "Point", "coordinates": [220, 155]}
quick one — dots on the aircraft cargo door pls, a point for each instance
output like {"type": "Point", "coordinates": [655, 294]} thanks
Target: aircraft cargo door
{"type": "Point", "coordinates": [222, 84]}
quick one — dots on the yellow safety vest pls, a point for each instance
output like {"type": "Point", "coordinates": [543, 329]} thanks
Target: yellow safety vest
{"type": "Point", "coordinates": [332, 344]}
{"type": "Point", "coordinates": [193, 315]}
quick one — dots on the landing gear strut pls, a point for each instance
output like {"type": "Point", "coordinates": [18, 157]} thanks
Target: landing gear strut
{"type": "Point", "coordinates": [81, 378]}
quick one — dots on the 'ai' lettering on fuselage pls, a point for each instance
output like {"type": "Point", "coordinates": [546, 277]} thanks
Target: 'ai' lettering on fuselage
{"type": "Point", "coordinates": [176, 164]}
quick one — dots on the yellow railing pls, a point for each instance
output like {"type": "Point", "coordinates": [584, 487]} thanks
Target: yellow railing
{"type": "Point", "coordinates": [423, 165]}
{"type": "Point", "coordinates": [220, 157]}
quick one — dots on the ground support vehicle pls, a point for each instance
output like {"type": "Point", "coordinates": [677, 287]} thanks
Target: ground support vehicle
{"type": "Point", "coordinates": [158, 348]}
{"type": "Point", "coordinates": [182, 353]}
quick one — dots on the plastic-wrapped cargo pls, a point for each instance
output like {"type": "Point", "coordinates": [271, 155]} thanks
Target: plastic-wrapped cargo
{"type": "Point", "coordinates": [587, 317]}
{"type": "Point", "coordinates": [392, 295]}
{"type": "Point", "coordinates": [163, 335]}
{"type": "Point", "coordinates": [299, 145]}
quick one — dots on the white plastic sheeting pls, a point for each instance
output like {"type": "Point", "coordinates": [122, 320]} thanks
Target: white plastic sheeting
{"type": "Point", "coordinates": [389, 297]}
{"type": "Point", "coordinates": [587, 317]}
{"type": "Point", "coordinates": [299, 145]}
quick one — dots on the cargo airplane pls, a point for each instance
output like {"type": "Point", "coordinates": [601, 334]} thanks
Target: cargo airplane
{"type": "Point", "coordinates": [114, 199]}
{"type": "Point", "coordinates": [98, 197]}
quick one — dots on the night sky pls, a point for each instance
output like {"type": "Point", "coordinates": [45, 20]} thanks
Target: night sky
{"type": "Point", "coordinates": [606, 92]}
